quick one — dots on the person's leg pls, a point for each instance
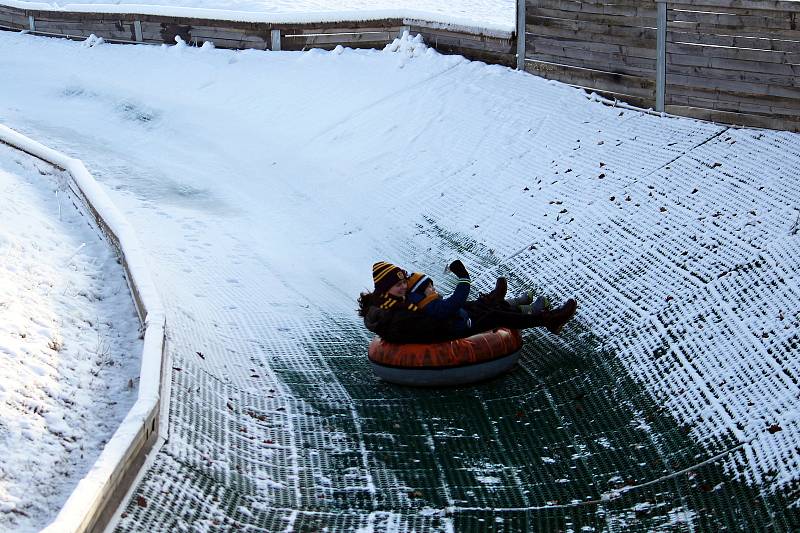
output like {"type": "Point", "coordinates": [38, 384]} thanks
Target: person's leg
{"type": "Point", "coordinates": [498, 294]}
{"type": "Point", "coordinates": [553, 319]}
{"type": "Point", "coordinates": [524, 298]}
{"type": "Point", "coordinates": [540, 304]}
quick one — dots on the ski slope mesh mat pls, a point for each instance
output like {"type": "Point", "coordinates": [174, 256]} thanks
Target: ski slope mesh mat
{"type": "Point", "coordinates": [565, 442]}
{"type": "Point", "coordinates": [678, 417]}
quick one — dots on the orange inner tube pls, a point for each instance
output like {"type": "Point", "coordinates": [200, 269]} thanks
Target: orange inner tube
{"type": "Point", "coordinates": [478, 348]}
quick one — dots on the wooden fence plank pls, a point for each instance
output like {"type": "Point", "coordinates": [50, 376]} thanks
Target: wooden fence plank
{"type": "Point", "coordinates": [594, 60]}
{"type": "Point", "coordinates": [599, 18]}
{"type": "Point", "coordinates": [787, 6]}
{"type": "Point", "coordinates": [709, 88]}
{"type": "Point", "coordinates": [740, 119]}
{"type": "Point", "coordinates": [603, 48]}
{"type": "Point", "coordinates": [779, 20]}
{"type": "Point", "coordinates": [595, 63]}
{"type": "Point", "coordinates": [643, 38]}
{"type": "Point", "coordinates": [613, 54]}
{"type": "Point", "coordinates": [322, 27]}
{"type": "Point", "coordinates": [755, 67]}
{"type": "Point", "coordinates": [107, 30]}
{"type": "Point", "coordinates": [573, 27]}
{"type": "Point", "coordinates": [765, 56]}
{"type": "Point", "coordinates": [13, 18]}
{"type": "Point", "coordinates": [234, 44]}
{"type": "Point", "coordinates": [733, 86]}
{"type": "Point", "coordinates": [704, 67]}
{"type": "Point", "coordinates": [697, 28]}
{"type": "Point", "coordinates": [733, 106]}
{"type": "Point", "coordinates": [154, 32]}
{"type": "Point", "coordinates": [492, 42]}
{"type": "Point", "coordinates": [627, 8]}
{"type": "Point", "coordinates": [210, 33]}
{"type": "Point", "coordinates": [606, 81]}
{"type": "Point", "coordinates": [733, 41]}
{"type": "Point", "coordinates": [298, 43]}
{"type": "Point", "coordinates": [78, 27]}
{"type": "Point", "coordinates": [638, 101]}
{"type": "Point", "coordinates": [84, 18]}
{"type": "Point", "coordinates": [345, 39]}
{"type": "Point", "coordinates": [463, 42]}
{"type": "Point", "coordinates": [348, 29]}
{"type": "Point", "coordinates": [489, 57]}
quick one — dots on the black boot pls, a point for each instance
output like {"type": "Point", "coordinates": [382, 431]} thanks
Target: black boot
{"type": "Point", "coordinates": [498, 295]}
{"type": "Point", "coordinates": [556, 318]}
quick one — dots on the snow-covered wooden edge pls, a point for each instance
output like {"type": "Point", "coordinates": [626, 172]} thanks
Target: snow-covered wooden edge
{"type": "Point", "coordinates": [454, 23]}
{"type": "Point", "coordinates": [96, 497]}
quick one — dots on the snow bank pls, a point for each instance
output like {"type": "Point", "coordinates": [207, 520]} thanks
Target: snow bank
{"type": "Point", "coordinates": [94, 487]}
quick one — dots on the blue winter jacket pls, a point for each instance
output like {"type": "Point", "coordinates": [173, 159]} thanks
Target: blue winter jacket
{"type": "Point", "coordinates": [435, 306]}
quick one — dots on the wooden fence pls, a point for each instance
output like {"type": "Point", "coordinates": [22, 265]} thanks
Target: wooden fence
{"type": "Point", "coordinates": [478, 44]}
{"type": "Point", "coordinates": [733, 61]}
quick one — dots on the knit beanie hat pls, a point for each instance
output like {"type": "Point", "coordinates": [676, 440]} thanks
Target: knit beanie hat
{"type": "Point", "coordinates": [418, 281]}
{"type": "Point", "coordinates": [385, 275]}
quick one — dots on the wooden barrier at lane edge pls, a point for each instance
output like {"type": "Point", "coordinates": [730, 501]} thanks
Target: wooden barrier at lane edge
{"type": "Point", "coordinates": [93, 502]}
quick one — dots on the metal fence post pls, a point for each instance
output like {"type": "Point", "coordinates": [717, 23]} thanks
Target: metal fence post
{"type": "Point", "coordinates": [275, 38]}
{"type": "Point", "coordinates": [661, 54]}
{"type": "Point", "coordinates": [521, 34]}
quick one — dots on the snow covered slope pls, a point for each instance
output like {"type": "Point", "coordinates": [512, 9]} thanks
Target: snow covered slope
{"type": "Point", "coordinates": [266, 184]}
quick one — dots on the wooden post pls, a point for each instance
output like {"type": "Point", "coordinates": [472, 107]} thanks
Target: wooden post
{"type": "Point", "coordinates": [275, 38]}
{"type": "Point", "coordinates": [661, 54]}
{"type": "Point", "coordinates": [31, 23]}
{"type": "Point", "coordinates": [521, 34]}
{"type": "Point", "coordinates": [137, 30]}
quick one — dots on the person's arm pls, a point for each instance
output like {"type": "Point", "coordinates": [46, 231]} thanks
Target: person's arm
{"type": "Point", "coordinates": [448, 307]}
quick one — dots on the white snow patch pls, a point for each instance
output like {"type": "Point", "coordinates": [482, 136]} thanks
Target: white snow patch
{"type": "Point", "coordinates": [69, 339]}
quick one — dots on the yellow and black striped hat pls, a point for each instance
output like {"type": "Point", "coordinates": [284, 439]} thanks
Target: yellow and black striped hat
{"type": "Point", "coordinates": [418, 281]}
{"type": "Point", "coordinates": [385, 275]}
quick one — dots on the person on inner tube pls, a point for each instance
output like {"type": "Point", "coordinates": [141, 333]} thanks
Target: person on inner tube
{"type": "Point", "coordinates": [403, 312]}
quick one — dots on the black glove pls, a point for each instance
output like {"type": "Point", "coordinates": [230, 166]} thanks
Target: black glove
{"type": "Point", "coordinates": [458, 268]}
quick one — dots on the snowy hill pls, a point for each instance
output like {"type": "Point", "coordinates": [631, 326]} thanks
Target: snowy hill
{"type": "Point", "coordinates": [265, 185]}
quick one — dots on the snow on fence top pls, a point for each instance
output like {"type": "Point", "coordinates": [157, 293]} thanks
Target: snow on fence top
{"type": "Point", "coordinates": [490, 18]}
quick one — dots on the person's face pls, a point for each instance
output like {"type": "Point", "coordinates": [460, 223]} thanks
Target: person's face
{"type": "Point", "coordinates": [398, 290]}
{"type": "Point", "coordinates": [429, 289]}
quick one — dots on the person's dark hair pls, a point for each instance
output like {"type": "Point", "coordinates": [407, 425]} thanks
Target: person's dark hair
{"type": "Point", "coordinates": [365, 301]}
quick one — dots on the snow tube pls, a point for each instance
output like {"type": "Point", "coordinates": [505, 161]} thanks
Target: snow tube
{"type": "Point", "coordinates": [455, 362]}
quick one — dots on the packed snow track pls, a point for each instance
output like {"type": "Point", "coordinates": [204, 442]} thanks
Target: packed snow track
{"type": "Point", "coordinates": [264, 186]}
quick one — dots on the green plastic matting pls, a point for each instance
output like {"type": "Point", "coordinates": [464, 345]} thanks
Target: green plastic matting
{"type": "Point", "coordinates": [565, 442]}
